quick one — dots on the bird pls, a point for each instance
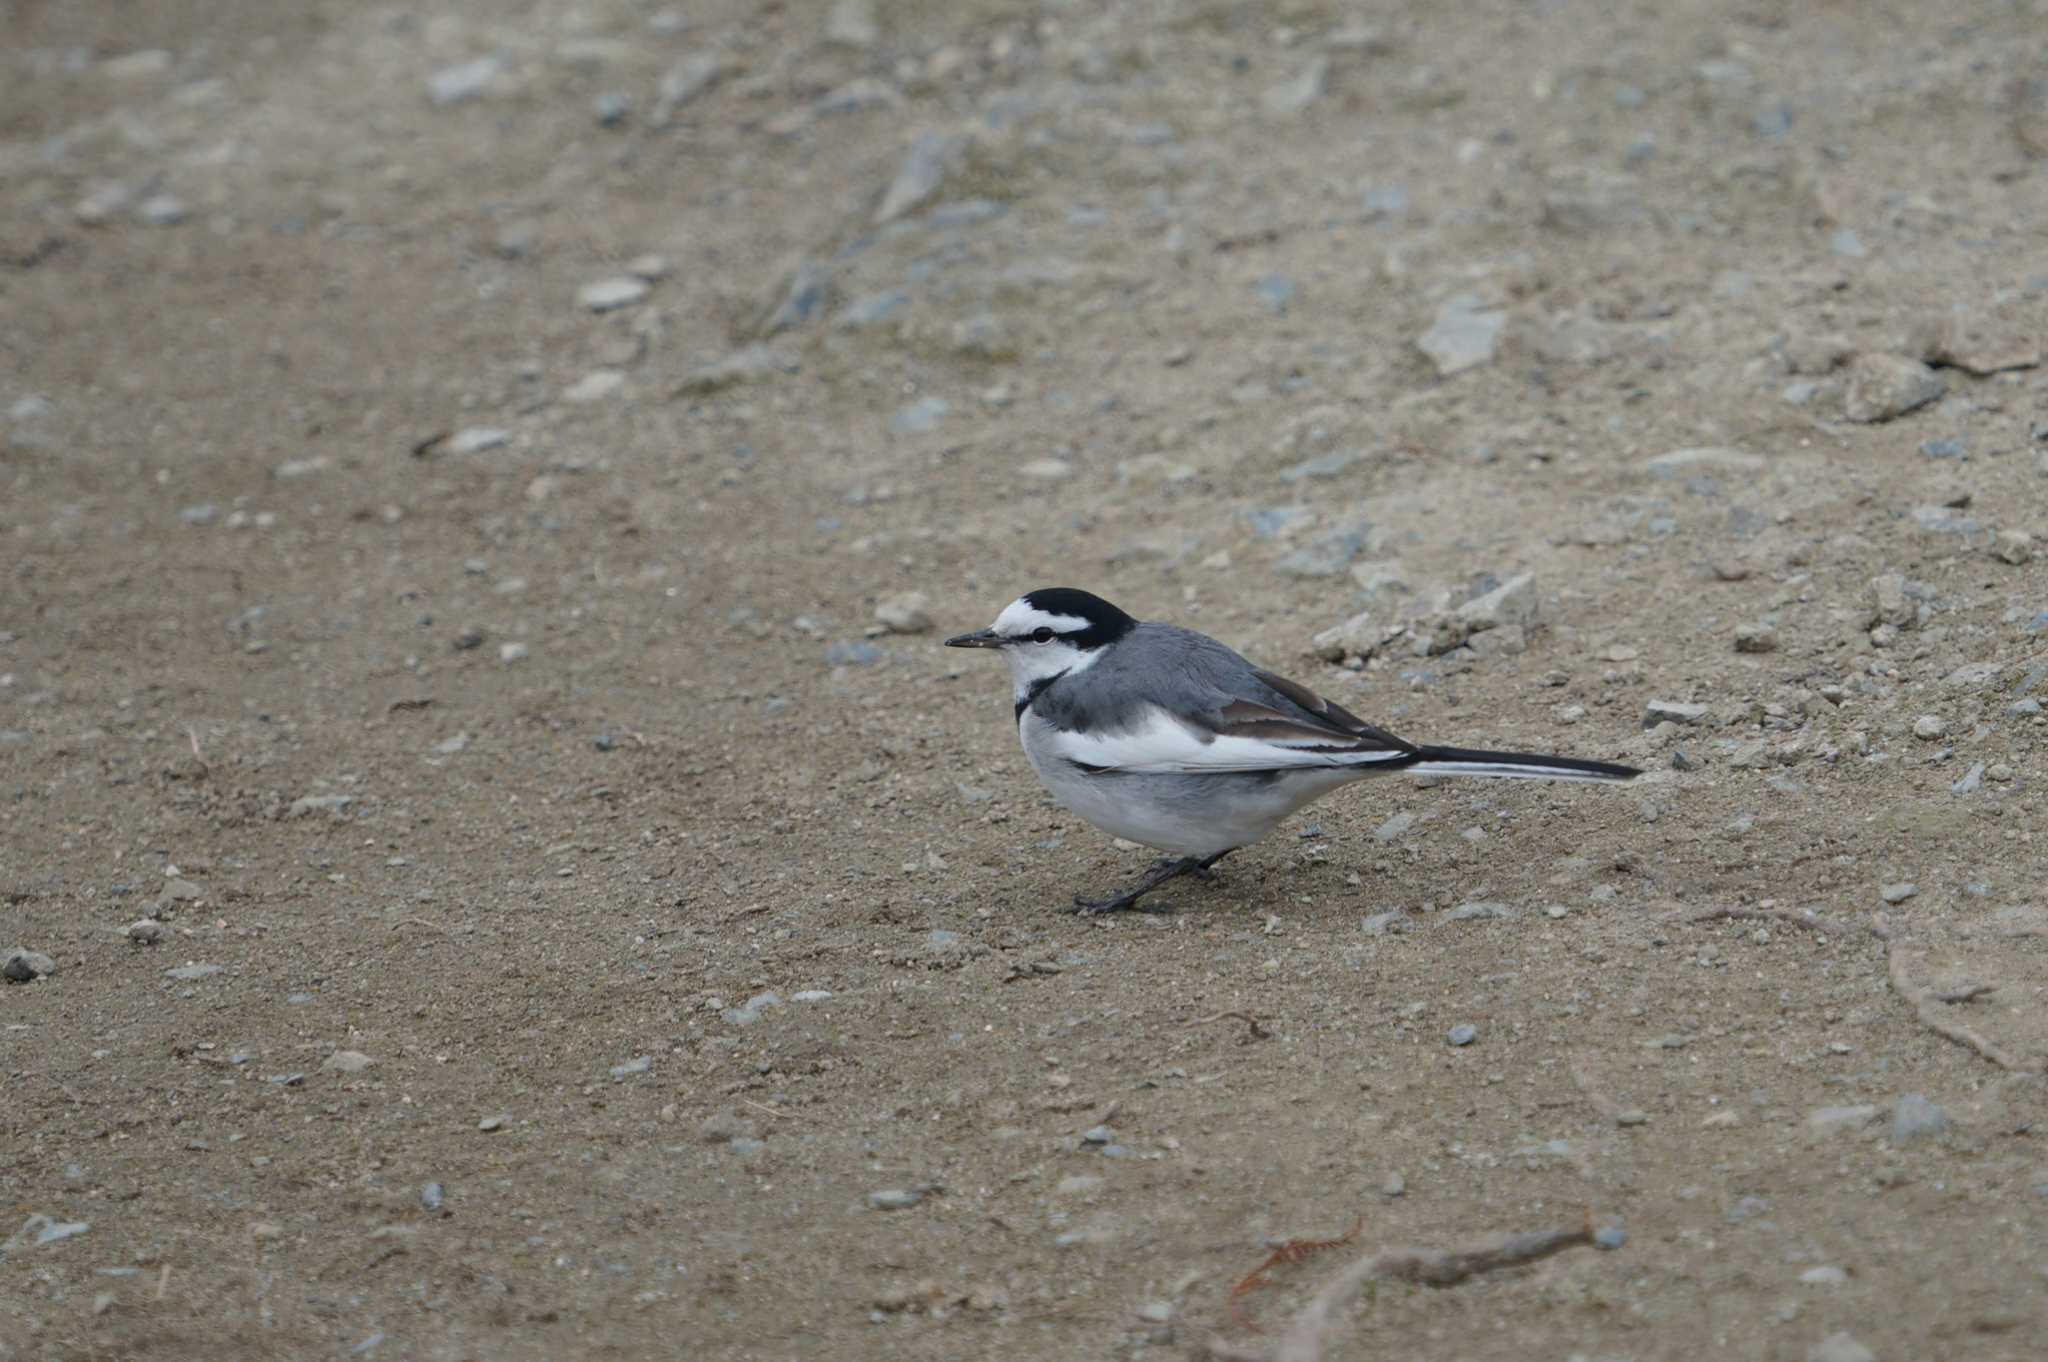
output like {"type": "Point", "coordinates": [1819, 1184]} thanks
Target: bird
{"type": "Point", "coordinates": [1167, 738]}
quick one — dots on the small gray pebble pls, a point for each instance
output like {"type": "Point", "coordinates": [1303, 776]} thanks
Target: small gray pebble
{"type": "Point", "coordinates": [611, 109]}
{"type": "Point", "coordinates": [431, 1196]}
{"type": "Point", "coordinates": [1097, 1135]}
{"type": "Point", "coordinates": [1898, 893]}
{"type": "Point", "coordinates": [854, 654]}
{"type": "Point", "coordinates": [1464, 1033]}
{"type": "Point", "coordinates": [1608, 1237]}
{"type": "Point", "coordinates": [895, 1198]}
{"type": "Point", "coordinates": [1916, 1118]}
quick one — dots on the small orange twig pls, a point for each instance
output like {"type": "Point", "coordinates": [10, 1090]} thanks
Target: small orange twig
{"type": "Point", "coordinates": [1287, 1251]}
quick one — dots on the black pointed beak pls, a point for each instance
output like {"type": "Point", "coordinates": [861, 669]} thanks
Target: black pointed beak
{"type": "Point", "coordinates": [980, 638]}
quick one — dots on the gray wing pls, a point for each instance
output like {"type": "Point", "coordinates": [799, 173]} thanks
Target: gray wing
{"type": "Point", "coordinates": [1213, 692]}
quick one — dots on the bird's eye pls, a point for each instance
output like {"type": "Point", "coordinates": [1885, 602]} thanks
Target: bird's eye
{"type": "Point", "coordinates": [1041, 635]}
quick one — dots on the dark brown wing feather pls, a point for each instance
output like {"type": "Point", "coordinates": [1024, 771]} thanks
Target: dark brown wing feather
{"type": "Point", "coordinates": [1308, 721]}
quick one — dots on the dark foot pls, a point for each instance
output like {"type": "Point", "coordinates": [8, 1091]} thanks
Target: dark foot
{"type": "Point", "coordinates": [1161, 871]}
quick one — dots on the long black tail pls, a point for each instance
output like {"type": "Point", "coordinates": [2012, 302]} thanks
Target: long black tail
{"type": "Point", "coordinates": [1464, 761]}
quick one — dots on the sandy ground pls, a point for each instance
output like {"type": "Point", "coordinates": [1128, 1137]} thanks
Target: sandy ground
{"type": "Point", "coordinates": [567, 925]}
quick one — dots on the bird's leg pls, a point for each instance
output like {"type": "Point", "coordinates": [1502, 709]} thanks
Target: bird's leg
{"type": "Point", "coordinates": [1162, 870]}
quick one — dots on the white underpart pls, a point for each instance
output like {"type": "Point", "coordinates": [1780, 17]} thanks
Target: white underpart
{"type": "Point", "coordinates": [1163, 745]}
{"type": "Point", "coordinates": [1183, 813]}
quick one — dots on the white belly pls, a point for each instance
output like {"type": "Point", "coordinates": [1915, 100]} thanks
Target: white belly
{"type": "Point", "coordinates": [1188, 815]}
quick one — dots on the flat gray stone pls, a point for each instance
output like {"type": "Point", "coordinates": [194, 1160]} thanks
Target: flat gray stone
{"type": "Point", "coordinates": [1463, 336]}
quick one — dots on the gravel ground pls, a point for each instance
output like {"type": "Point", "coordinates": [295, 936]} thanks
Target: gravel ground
{"type": "Point", "coordinates": [495, 863]}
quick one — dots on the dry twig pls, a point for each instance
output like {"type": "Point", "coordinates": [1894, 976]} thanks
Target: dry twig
{"type": "Point", "coordinates": [1257, 1032]}
{"type": "Point", "coordinates": [1963, 993]}
{"type": "Point", "coordinates": [1428, 1267]}
{"type": "Point", "coordinates": [1928, 1007]}
{"type": "Point", "coordinates": [1287, 1251]}
{"type": "Point", "coordinates": [1784, 915]}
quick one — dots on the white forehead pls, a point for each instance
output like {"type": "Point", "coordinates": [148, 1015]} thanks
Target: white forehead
{"type": "Point", "coordinates": [1021, 617]}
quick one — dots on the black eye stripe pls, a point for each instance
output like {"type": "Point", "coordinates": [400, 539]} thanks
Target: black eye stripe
{"type": "Point", "coordinates": [1041, 635]}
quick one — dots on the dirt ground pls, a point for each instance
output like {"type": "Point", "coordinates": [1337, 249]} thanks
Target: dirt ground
{"type": "Point", "coordinates": [509, 898]}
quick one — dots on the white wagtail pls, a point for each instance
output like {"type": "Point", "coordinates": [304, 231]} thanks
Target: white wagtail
{"type": "Point", "coordinates": [1165, 737]}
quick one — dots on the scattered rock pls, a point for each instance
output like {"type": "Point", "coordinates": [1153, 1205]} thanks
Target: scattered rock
{"type": "Point", "coordinates": [40, 1230]}
{"type": "Point", "coordinates": [348, 1061]}
{"type": "Point", "coordinates": [749, 1012]}
{"type": "Point", "coordinates": [21, 966]}
{"type": "Point", "coordinates": [1463, 336]}
{"type": "Point", "coordinates": [492, 1124]}
{"type": "Point", "coordinates": [1394, 827]}
{"type": "Point", "coordinates": [687, 79]}
{"type": "Point", "coordinates": [853, 654]}
{"type": "Point", "coordinates": [162, 210]}
{"type": "Point", "coordinates": [809, 291]}
{"type": "Point", "coordinates": [1673, 712]}
{"type": "Point", "coordinates": [1684, 462]}
{"type": "Point", "coordinates": [1841, 1347]}
{"type": "Point", "coordinates": [1328, 555]}
{"type": "Point", "coordinates": [1045, 470]}
{"type": "Point", "coordinates": [188, 973]}
{"type": "Point", "coordinates": [1831, 1120]}
{"type": "Point", "coordinates": [2015, 547]}
{"type": "Point", "coordinates": [137, 65]}
{"type": "Point", "coordinates": [1898, 893]}
{"type": "Point", "coordinates": [742, 366]}
{"type": "Point", "coordinates": [1324, 466]}
{"type": "Point", "coordinates": [1292, 96]}
{"type": "Point", "coordinates": [723, 1127]}
{"type": "Point", "coordinates": [895, 1198]}
{"type": "Point", "coordinates": [1890, 603]}
{"type": "Point", "coordinates": [608, 295]}
{"type": "Point", "coordinates": [1355, 637]}
{"type": "Point", "coordinates": [1098, 1135]}
{"type": "Point", "coordinates": [1755, 638]}
{"type": "Point", "coordinates": [639, 1064]}
{"type": "Point", "coordinates": [918, 178]}
{"type": "Point", "coordinates": [1930, 727]}
{"type": "Point", "coordinates": [1825, 1275]}
{"type": "Point", "coordinates": [594, 386]}
{"type": "Point", "coordinates": [476, 439]}
{"type": "Point", "coordinates": [1972, 780]}
{"type": "Point", "coordinates": [872, 309]}
{"type": "Point", "coordinates": [852, 23]}
{"type": "Point", "coordinates": [1916, 1118]}
{"type": "Point", "coordinates": [455, 84]}
{"type": "Point", "coordinates": [1276, 290]}
{"type": "Point", "coordinates": [145, 931]}
{"type": "Point", "coordinates": [1386, 924]}
{"type": "Point", "coordinates": [1474, 912]}
{"type": "Point", "coordinates": [1394, 1185]}
{"type": "Point", "coordinates": [907, 612]}
{"type": "Point", "coordinates": [513, 652]}
{"type": "Point", "coordinates": [919, 417]}
{"type": "Point", "coordinates": [1882, 387]}
{"type": "Point", "coordinates": [1464, 1033]}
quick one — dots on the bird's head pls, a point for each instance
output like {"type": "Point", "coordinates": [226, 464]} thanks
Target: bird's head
{"type": "Point", "coordinates": [1053, 630]}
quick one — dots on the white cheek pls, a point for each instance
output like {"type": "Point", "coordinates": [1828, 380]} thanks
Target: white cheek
{"type": "Point", "coordinates": [1031, 662]}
